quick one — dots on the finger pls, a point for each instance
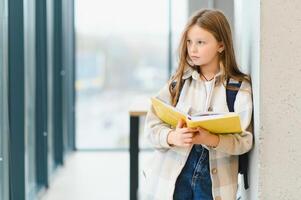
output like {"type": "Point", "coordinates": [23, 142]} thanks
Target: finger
{"type": "Point", "coordinates": [201, 129]}
{"type": "Point", "coordinates": [189, 130]}
{"type": "Point", "coordinates": [186, 145]}
{"type": "Point", "coordinates": [181, 123]}
{"type": "Point", "coordinates": [185, 130]}
{"type": "Point", "coordinates": [188, 135]}
{"type": "Point", "coordinates": [188, 140]}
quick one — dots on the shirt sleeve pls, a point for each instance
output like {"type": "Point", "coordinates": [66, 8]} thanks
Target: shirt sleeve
{"type": "Point", "coordinates": [155, 130]}
{"type": "Point", "coordinates": [237, 144]}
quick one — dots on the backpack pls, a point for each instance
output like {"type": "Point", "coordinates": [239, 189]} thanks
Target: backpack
{"type": "Point", "coordinates": [243, 160]}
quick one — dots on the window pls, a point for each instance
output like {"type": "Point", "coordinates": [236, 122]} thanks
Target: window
{"type": "Point", "coordinates": [3, 103]}
{"type": "Point", "coordinates": [29, 75]}
{"type": "Point", "coordinates": [122, 51]}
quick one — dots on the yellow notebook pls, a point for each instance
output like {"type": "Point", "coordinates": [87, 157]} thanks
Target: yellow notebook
{"type": "Point", "coordinates": [214, 122]}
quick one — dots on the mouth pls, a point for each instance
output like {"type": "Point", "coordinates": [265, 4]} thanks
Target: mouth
{"type": "Point", "coordinates": [194, 57]}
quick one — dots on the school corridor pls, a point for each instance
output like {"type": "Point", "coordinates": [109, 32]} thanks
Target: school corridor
{"type": "Point", "coordinates": [76, 77]}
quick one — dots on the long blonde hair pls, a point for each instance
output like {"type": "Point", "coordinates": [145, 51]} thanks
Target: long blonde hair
{"type": "Point", "coordinates": [216, 23]}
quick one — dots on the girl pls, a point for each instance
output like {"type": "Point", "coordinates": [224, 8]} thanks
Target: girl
{"type": "Point", "coordinates": [194, 163]}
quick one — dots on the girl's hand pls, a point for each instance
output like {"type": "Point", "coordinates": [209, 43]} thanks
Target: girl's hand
{"type": "Point", "coordinates": [181, 136]}
{"type": "Point", "coordinates": [205, 137]}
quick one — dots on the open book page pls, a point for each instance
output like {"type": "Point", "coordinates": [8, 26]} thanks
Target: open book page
{"type": "Point", "coordinates": [209, 115]}
{"type": "Point", "coordinates": [219, 123]}
{"type": "Point", "coordinates": [166, 112]}
{"type": "Point", "coordinates": [216, 122]}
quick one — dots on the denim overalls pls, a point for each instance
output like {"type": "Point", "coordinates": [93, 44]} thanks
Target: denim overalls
{"type": "Point", "coordinates": [194, 182]}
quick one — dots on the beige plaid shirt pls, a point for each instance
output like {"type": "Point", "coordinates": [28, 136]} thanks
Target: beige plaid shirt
{"type": "Point", "coordinates": [162, 170]}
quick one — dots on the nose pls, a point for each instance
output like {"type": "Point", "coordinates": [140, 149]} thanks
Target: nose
{"type": "Point", "coordinates": [193, 48]}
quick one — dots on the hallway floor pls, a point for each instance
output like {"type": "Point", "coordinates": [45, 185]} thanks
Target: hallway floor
{"type": "Point", "coordinates": [93, 176]}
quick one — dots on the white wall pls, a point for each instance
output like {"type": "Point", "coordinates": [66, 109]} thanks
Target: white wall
{"type": "Point", "coordinates": [280, 102]}
{"type": "Point", "coordinates": [247, 42]}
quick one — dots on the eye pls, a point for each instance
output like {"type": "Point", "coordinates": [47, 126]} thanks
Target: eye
{"type": "Point", "coordinates": [201, 42]}
{"type": "Point", "coordinates": [188, 41]}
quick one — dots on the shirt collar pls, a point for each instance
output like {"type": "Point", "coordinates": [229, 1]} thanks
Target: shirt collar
{"type": "Point", "coordinates": [190, 72]}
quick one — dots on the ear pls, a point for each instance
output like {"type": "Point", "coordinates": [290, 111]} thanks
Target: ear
{"type": "Point", "coordinates": [221, 47]}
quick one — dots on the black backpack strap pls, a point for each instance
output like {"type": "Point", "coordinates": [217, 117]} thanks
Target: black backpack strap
{"type": "Point", "coordinates": [231, 94]}
{"type": "Point", "coordinates": [244, 158]}
{"type": "Point", "coordinates": [243, 165]}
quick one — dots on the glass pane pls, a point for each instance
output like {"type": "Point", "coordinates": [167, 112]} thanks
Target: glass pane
{"type": "Point", "coordinates": [1, 107]}
{"type": "Point", "coordinates": [3, 103]}
{"type": "Point", "coordinates": [121, 55]}
{"type": "Point", "coordinates": [51, 164]}
{"type": "Point", "coordinates": [29, 59]}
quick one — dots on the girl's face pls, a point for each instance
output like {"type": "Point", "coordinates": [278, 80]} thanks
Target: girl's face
{"type": "Point", "coordinates": [202, 46]}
